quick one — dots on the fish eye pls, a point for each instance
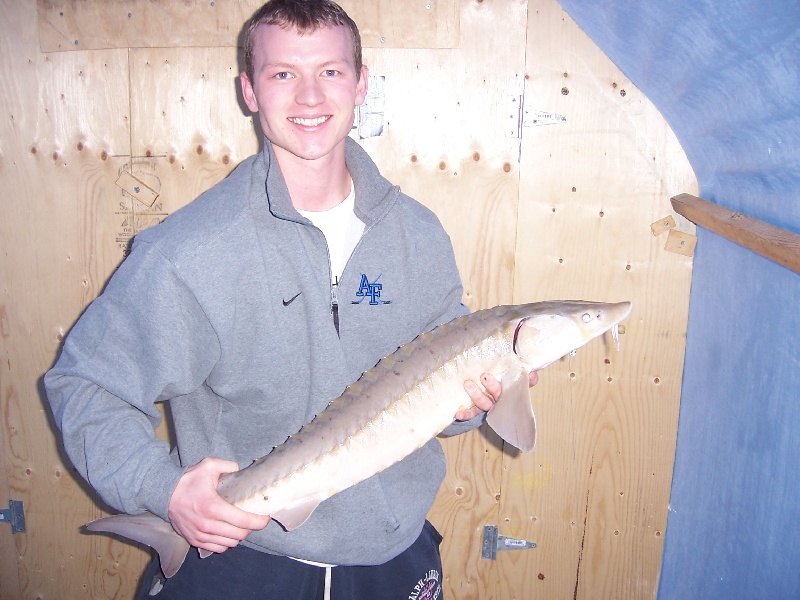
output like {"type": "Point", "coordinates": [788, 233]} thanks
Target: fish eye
{"type": "Point", "coordinates": [586, 317]}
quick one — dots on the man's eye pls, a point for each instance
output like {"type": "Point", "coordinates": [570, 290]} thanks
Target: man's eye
{"type": "Point", "coordinates": [282, 75]}
{"type": "Point", "coordinates": [330, 72]}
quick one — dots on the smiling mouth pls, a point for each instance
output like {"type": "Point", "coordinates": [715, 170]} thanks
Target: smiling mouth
{"type": "Point", "coordinates": [309, 122]}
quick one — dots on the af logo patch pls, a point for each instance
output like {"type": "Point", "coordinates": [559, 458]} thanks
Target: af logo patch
{"type": "Point", "coordinates": [370, 290]}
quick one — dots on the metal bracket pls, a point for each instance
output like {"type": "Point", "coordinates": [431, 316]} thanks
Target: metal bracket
{"type": "Point", "coordinates": [514, 112]}
{"type": "Point", "coordinates": [14, 515]}
{"type": "Point", "coordinates": [493, 543]}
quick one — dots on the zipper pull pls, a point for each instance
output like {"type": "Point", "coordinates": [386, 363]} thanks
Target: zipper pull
{"type": "Point", "coordinates": [335, 303]}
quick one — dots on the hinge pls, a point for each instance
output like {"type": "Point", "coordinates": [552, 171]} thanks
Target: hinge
{"type": "Point", "coordinates": [14, 515]}
{"type": "Point", "coordinates": [514, 116]}
{"type": "Point", "coordinates": [493, 543]}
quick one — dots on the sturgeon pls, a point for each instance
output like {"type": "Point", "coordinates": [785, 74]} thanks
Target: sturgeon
{"type": "Point", "coordinates": [395, 408]}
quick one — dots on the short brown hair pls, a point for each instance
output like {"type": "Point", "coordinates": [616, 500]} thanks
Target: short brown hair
{"type": "Point", "coordinates": [303, 15]}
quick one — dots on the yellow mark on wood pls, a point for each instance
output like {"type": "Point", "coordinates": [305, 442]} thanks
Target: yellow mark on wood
{"type": "Point", "coordinates": [532, 480]}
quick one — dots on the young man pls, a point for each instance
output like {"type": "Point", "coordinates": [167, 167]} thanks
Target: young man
{"type": "Point", "coordinates": [249, 310]}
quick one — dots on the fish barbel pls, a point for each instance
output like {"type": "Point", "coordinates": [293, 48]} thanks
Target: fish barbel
{"type": "Point", "coordinates": [413, 394]}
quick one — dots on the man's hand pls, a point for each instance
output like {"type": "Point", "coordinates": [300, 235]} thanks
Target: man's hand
{"type": "Point", "coordinates": [202, 517]}
{"type": "Point", "coordinates": [483, 401]}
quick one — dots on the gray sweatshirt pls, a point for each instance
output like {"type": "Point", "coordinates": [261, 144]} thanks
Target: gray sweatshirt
{"type": "Point", "coordinates": [225, 311]}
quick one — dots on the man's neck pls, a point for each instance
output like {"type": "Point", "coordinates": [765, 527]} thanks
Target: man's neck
{"type": "Point", "coordinates": [315, 185]}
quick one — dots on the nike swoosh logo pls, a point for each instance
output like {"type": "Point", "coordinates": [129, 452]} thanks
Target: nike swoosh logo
{"type": "Point", "coordinates": [292, 299]}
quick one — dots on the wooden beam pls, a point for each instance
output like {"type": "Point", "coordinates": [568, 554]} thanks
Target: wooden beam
{"type": "Point", "coordinates": [769, 241]}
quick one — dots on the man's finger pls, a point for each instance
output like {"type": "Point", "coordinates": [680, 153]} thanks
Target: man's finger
{"type": "Point", "coordinates": [492, 385]}
{"type": "Point", "coordinates": [244, 520]}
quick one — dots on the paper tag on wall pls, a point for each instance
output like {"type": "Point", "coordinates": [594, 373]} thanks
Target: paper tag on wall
{"type": "Point", "coordinates": [137, 188]}
{"type": "Point", "coordinates": [532, 118]}
{"type": "Point", "coordinates": [681, 243]}
{"type": "Point", "coordinates": [663, 225]}
{"type": "Point", "coordinates": [371, 114]}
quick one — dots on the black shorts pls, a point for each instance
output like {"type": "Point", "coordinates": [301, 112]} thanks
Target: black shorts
{"type": "Point", "coordinates": [242, 573]}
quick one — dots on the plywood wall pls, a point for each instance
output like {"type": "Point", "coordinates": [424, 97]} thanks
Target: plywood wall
{"type": "Point", "coordinates": [597, 488]}
{"type": "Point", "coordinates": [554, 211]}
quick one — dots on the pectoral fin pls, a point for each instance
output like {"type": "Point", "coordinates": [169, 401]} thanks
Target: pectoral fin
{"type": "Point", "coordinates": [512, 416]}
{"type": "Point", "coordinates": [151, 530]}
{"type": "Point", "coordinates": [297, 514]}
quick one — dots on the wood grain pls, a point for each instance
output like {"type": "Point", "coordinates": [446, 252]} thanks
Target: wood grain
{"type": "Point", "coordinates": [68, 25]}
{"type": "Point", "coordinates": [446, 142]}
{"type": "Point", "coordinates": [594, 494]}
{"type": "Point", "coordinates": [68, 121]}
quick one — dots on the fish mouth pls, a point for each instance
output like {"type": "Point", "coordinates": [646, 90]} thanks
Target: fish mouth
{"type": "Point", "coordinates": [516, 333]}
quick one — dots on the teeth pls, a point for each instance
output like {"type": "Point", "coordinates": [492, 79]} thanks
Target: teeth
{"type": "Point", "coordinates": [308, 122]}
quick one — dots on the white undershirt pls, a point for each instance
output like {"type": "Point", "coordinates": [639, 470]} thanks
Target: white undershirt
{"type": "Point", "coordinates": [342, 230]}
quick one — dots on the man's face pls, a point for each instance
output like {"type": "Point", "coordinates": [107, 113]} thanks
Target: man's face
{"type": "Point", "coordinates": [305, 89]}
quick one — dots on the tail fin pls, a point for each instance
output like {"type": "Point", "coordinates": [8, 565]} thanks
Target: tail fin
{"type": "Point", "coordinates": [151, 530]}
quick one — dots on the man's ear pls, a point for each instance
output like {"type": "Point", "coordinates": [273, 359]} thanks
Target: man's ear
{"type": "Point", "coordinates": [248, 93]}
{"type": "Point", "coordinates": [362, 85]}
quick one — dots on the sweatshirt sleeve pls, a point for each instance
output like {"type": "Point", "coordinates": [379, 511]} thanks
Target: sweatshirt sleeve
{"type": "Point", "coordinates": [146, 339]}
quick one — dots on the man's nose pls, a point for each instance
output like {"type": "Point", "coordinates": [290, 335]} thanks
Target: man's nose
{"type": "Point", "coordinates": [310, 92]}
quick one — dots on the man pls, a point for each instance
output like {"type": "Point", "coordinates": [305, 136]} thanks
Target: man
{"type": "Point", "coordinates": [249, 310]}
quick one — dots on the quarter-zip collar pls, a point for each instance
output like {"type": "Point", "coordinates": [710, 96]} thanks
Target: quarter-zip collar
{"type": "Point", "coordinates": [375, 195]}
